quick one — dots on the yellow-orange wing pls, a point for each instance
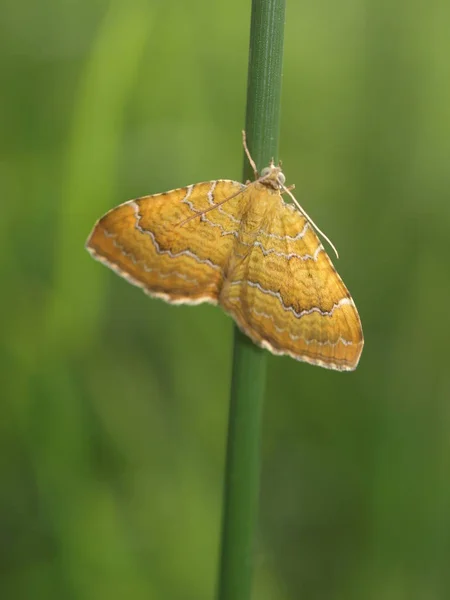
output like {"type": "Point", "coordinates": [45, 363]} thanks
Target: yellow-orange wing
{"type": "Point", "coordinates": [287, 296]}
{"type": "Point", "coordinates": [144, 242]}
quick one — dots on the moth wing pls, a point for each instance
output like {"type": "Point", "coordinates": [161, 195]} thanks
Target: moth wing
{"type": "Point", "coordinates": [148, 241]}
{"type": "Point", "coordinates": [288, 297]}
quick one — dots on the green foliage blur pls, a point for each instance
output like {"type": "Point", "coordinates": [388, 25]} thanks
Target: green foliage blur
{"type": "Point", "coordinates": [113, 408]}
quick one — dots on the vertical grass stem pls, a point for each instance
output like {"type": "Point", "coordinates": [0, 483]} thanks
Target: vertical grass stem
{"type": "Point", "coordinates": [241, 487]}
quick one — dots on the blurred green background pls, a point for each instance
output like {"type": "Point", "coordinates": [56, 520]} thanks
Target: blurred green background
{"type": "Point", "coordinates": [114, 406]}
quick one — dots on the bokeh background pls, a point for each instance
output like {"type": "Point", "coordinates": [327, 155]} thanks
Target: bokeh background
{"type": "Point", "coordinates": [113, 408]}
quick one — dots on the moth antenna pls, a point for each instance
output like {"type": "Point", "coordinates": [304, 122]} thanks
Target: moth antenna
{"type": "Point", "coordinates": [249, 156]}
{"type": "Point", "coordinates": [203, 212]}
{"type": "Point", "coordinates": [308, 218]}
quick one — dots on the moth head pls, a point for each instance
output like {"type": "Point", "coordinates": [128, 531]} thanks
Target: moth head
{"type": "Point", "coordinates": [273, 176]}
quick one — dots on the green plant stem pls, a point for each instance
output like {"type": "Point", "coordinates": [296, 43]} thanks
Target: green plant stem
{"type": "Point", "coordinates": [241, 489]}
